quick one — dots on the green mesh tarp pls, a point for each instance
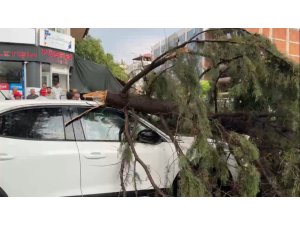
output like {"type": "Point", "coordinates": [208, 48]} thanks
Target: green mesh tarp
{"type": "Point", "coordinates": [88, 76]}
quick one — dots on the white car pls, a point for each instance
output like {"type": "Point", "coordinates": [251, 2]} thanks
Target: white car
{"type": "Point", "coordinates": [39, 156]}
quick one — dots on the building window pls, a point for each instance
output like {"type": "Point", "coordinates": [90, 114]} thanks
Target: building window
{"type": "Point", "coordinates": [163, 49]}
{"type": "Point", "coordinates": [58, 30]}
{"type": "Point", "coordinates": [190, 33]}
{"type": "Point", "coordinates": [10, 72]}
{"type": "Point", "coordinates": [181, 38]}
{"type": "Point", "coordinates": [156, 52]}
{"type": "Point", "coordinates": [198, 30]}
{"type": "Point", "coordinates": [172, 43]}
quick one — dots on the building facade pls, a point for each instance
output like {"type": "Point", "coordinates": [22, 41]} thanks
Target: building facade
{"type": "Point", "coordinates": [30, 57]}
{"type": "Point", "coordinates": [175, 39]}
{"type": "Point", "coordinates": [287, 40]}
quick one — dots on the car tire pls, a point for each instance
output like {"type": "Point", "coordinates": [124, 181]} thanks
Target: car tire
{"type": "Point", "coordinates": [2, 193]}
{"type": "Point", "coordinates": [176, 187]}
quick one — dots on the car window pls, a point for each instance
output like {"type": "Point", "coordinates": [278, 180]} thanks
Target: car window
{"type": "Point", "coordinates": [107, 124]}
{"type": "Point", "coordinates": [136, 126]}
{"type": "Point", "coordinates": [102, 124]}
{"type": "Point", "coordinates": [34, 123]}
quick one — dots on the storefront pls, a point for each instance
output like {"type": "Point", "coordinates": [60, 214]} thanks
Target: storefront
{"type": "Point", "coordinates": [28, 66]}
{"type": "Point", "coordinates": [30, 57]}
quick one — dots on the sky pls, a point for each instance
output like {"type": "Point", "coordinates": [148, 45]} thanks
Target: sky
{"type": "Point", "coordinates": [128, 43]}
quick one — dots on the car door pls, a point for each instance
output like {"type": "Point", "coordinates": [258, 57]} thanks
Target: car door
{"type": "Point", "coordinates": [38, 156]}
{"type": "Point", "coordinates": [99, 135]}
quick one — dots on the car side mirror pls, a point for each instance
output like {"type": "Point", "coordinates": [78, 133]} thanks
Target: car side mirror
{"type": "Point", "coordinates": [149, 136]}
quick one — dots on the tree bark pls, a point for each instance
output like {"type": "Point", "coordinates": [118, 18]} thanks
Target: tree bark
{"type": "Point", "coordinates": [140, 103]}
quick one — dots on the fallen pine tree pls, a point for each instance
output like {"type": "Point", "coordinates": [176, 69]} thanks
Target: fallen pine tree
{"type": "Point", "coordinates": [263, 104]}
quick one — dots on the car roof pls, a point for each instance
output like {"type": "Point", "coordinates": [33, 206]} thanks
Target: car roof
{"type": "Point", "coordinates": [8, 105]}
{"type": "Point", "coordinates": [15, 104]}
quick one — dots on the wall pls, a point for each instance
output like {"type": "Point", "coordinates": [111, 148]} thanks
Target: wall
{"type": "Point", "coordinates": [33, 78]}
{"type": "Point", "coordinates": [287, 40]}
{"type": "Point", "coordinates": [17, 35]}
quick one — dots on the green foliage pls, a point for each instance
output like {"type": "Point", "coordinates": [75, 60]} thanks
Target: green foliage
{"type": "Point", "coordinates": [245, 150]}
{"type": "Point", "coordinates": [126, 152]}
{"type": "Point", "coordinates": [190, 185]}
{"type": "Point", "coordinates": [289, 169]}
{"type": "Point", "coordinates": [91, 49]}
{"type": "Point", "coordinates": [245, 153]}
{"type": "Point", "coordinates": [269, 83]}
{"type": "Point", "coordinates": [205, 87]}
{"type": "Point", "coordinates": [249, 179]}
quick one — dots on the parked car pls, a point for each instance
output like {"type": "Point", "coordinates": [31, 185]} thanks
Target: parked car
{"type": "Point", "coordinates": [40, 156]}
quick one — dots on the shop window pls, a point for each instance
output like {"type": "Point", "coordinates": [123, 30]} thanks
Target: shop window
{"type": "Point", "coordinates": [46, 74]}
{"type": "Point", "coordinates": [10, 72]}
{"type": "Point", "coordinates": [55, 78]}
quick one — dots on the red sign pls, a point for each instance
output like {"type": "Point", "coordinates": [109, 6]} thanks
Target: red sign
{"type": "Point", "coordinates": [35, 53]}
{"type": "Point", "coordinates": [18, 52]}
{"type": "Point", "coordinates": [19, 55]}
{"type": "Point", "coordinates": [4, 86]}
{"type": "Point", "coordinates": [53, 56]}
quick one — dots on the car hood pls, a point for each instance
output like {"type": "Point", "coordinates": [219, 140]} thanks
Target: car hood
{"type": "Point", "coordinates": [186, 143]}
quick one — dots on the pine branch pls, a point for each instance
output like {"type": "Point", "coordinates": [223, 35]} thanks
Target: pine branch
{"type": "Point", "coordinates": [150, 87]}
{"type": "Point", "coordinates": [166, 127]}
{"type": "Point", "coordinates": [193, 37]}
{"type": "Point", "coordinates": [123, 162]}
{"type": "Point", "coordinates": [170, 54]}
{"type": "Point", "coordinates": [145, 71]}
{"type": "Point", "coordinates": [223, 61]}
{"type": "Point", "coordinates": [84, 113]}
{"type": "Point", "coordinates": [267, 176]}
{"type": "Point", "coordinates": [136, 156]}
{"type": "Point", "coordinates": [134, 178]}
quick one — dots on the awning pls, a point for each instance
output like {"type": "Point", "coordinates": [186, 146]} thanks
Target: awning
{"type": "Point", "coordinates": [88, 76]}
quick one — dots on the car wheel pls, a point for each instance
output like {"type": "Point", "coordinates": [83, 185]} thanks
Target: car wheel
{"type": "Point", "coordinates": [176, 187]}
{"type": "Point", "coordinates": [2, 193]}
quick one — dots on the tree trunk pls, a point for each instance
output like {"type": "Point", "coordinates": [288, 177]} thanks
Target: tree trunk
{"type": "Point", "coordinates": [140, 103]}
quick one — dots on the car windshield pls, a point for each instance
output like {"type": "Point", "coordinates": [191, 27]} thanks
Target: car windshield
{"type": "Point", "coordinates": [107, 124]}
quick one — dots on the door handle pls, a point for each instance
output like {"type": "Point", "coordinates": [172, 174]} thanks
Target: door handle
{"type": "Point", "coordinates": [4, 157]}
{"type": "Point", "coordinates": [94, 155]}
